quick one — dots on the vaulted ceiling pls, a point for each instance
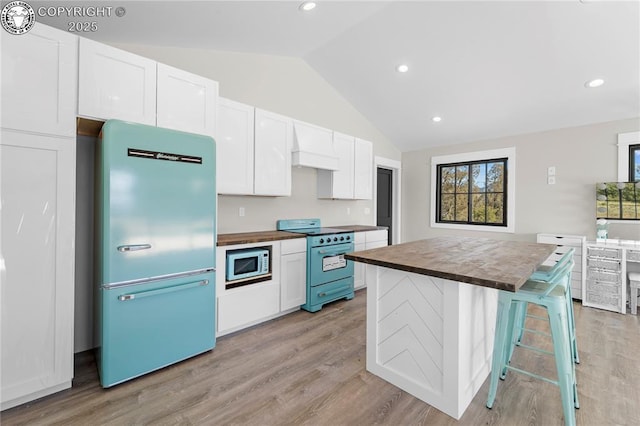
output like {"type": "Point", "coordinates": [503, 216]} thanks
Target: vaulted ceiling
{"type": "Point", "coordinates": [487, 68]}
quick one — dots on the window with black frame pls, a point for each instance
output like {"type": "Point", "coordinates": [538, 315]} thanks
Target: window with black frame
{"type": "Point", "coordinates": [634, 163]}
{"type": "Point", "coordinates": [473, 193]}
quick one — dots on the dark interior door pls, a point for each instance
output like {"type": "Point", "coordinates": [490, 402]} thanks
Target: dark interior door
{"type": "Point", "coordinates": [385, 200]}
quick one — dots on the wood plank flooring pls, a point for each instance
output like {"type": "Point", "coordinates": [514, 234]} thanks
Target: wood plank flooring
{"type": "Point", "coordinates": [309, 369]}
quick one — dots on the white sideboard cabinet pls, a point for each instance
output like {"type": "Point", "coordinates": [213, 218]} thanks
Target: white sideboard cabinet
{"type": "Point", "coordinates": [113, 83]}
{"type": "Point", "coordinates": [564, 243]}
{"type": "Point", "coordinates": [39, 86]}
{"type": "Point", "coordinates": [37, 291]}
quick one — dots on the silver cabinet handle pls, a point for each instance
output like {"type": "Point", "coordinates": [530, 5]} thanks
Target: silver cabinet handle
{"type": "Point", "coordinates": [134, 247]}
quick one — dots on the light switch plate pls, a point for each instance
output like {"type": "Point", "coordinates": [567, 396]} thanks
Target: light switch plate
{"type": "Point", "coordinates": [551, 180]}
{"type": "Point", "coordinates": [551, 171]}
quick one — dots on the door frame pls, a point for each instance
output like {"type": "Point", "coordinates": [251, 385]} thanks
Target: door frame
{"type": "Point", "coordinates": [396, 173]}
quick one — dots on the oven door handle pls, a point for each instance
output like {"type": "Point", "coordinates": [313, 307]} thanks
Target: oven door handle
{"type": "Point", "coordinates": [334, 252]}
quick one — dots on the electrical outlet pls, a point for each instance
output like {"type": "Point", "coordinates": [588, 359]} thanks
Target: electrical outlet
{"type": "Point", "coordinates": [241, 212]}
{"type": "Point", "coordinates": [551, 171]}
{"type": "Point", "coordinates": [367, 210]}
{"type": "Point", "coordinates": [348, 210]}
{"type": "Point", "coordinates": [551, 180]}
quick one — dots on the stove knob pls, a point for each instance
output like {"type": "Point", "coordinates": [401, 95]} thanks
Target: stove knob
{"type": "Point", "coordinates": [341, 238]}
{"type": "Point", "coordinates": [335, 238]}
{"type": "Point", "coordinates": [321, 240]}
{"type": "Point", "coordinates": [348, 238]}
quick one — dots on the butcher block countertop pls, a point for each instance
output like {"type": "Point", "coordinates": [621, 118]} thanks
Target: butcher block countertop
{"type": "Point", "coordinates": [255, 237]}
{"type": "Point", "coordinates": [262, 236]}
{"type": "Point", "coordinates": [504, 265]}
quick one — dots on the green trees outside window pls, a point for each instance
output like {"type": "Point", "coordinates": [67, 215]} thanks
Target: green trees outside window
{"type": "Point", "coordinates": [472, 192]}
{"type": "Point", "coordinates": [618, 200]}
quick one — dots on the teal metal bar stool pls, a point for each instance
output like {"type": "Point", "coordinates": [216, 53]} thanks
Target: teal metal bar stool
{"type": "Point", "coordinates": [550, 274]}
{"type": "Point", "coordinates": [551, 296]}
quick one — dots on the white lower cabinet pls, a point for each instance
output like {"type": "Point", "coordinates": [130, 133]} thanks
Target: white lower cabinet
{"type": "Point", "coordinates": [251, 304]}
{"type": "Point", "coordinates": [366, 240]}
{"type": "Point", "coordinates": [37, 241]}
{"type": "Point", "coordinates": [293, 273]}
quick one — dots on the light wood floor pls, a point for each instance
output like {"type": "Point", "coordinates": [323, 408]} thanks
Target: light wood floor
{"type": "Point", "coordinates": [310, 369]}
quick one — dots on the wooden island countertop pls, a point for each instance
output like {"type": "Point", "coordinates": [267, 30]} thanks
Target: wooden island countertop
{"type": "Point", "coordinates": [504, 265]}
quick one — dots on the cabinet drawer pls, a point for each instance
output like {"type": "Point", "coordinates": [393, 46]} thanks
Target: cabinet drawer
{"type": "Point", "coordinates": [297, 245]}
{"type": "Point", "coordinates": [372, 236]}
{"type": "Point", "coordinates": [633, 255]}
{"type": "Point", "coordinates": [603, 275]}
{"type": "Point", "coordinates": [609, 264]}
{"type": "Point", "coordinates": [560, 241]}
{"type": "Point", "coordinates": [609, 253]}
{"type": "Point", "coordinates": [605, 301]}
{"type": "Point", "coordinates": [603, 287]}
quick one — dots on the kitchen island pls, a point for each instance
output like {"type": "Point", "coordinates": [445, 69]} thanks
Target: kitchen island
{"type": "Point", "coordinates": [431, 308]}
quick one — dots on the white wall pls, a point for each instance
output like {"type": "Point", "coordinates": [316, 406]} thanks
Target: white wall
{"type": "Point", "coordinates": [291, 87]}
{"type": "Point", "coordinates": [582, 156]}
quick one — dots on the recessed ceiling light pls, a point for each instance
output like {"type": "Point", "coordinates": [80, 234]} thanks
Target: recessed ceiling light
{"type": "Point", "coordinates": [307, 6]}
{"type": "Point", "coordinates": [402, 68]}
{"type": "Point", "coordinates": [594, 83]}
{"type": "Point", "coordinates": [436, 119]}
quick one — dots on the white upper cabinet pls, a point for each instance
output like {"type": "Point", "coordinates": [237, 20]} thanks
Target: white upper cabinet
{"type": "Point", "coordinates": [113, 83]}
{"type": "Point", "coordinates": [234, 144]}
{"type": "Point", "coordinates": [186, 101]}
{"type": "Point", "coordinates": [363, 170]}
{"type": "Point", "coordinates": [273, 139]}
{"type": "Point", "coordinates": [254, 150]}
{"type": "Point", "coordinates": [339, 183]}
{"type": "Point", "coordinates": [39, 90]}
{"type": "Point", "coordinates": [354, 179]}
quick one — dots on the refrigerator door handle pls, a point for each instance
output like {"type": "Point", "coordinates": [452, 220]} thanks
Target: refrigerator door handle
{"type": "Point", "coordinates": [142, 294]}
{"type": "Point", "coordinates": [134, 247]}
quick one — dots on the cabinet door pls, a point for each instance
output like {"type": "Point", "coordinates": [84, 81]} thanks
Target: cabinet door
{"type": "Point", "coordinates": [363, 170]}
{"type": "Point", "coordinates": [293, 280]}
{"type": "Point", "coordinates": [37, 292]}
{"type": "Point", "coordinates": [186, 101]}
{"type": "Point", "coordinates": [273, 139]}
{"type": "Point", "coordinates": [39, 88]}
{"type": "Point", "coordinates": [113, 83]}
{"type": "Point", "coordinates": [358, 270]}
{"type": "Point", "coordinates": [339, 183]}
{"type": "Point", "coordinates": [234, 147]}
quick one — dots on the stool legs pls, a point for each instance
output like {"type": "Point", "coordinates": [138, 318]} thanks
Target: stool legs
{"type": "Point", "coordinates": [508, 316]}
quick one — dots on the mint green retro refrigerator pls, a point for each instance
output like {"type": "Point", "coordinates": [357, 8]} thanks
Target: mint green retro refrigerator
{"type": "Point", "coordinates": [156, 236]}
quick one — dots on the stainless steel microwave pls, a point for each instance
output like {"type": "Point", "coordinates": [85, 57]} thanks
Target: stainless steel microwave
{"type": "Point", "coordinates": [247, 263]}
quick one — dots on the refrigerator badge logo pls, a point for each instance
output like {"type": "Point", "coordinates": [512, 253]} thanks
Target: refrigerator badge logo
{"type": "Point", "coordinates": [18, 17]}
{"type": "Point", "coordinates": [166, 156]}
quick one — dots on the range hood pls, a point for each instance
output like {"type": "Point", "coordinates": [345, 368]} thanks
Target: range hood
{"type": "Point", "coordinates": [313, 147]}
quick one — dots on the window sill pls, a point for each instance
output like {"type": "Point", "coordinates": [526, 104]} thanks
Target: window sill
{"type": "Point", "coordinates": [503, 229]}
